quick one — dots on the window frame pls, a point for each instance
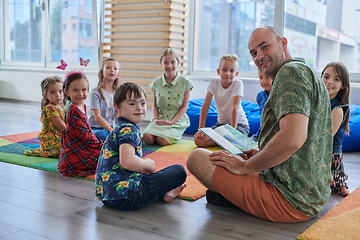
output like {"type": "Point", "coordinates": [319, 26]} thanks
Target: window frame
{"type": "Point", "coordinates": [278, 24]}
{"type": "Point", "coordinates": [45, 38]}
{"type": "Point", "coordinates": [99, 37]}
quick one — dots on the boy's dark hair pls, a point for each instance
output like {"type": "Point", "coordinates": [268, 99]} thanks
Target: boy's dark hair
{"type": "Point", "coordinates": [72, 76]}
{"type": "Point", "coordinates": [126, 88]}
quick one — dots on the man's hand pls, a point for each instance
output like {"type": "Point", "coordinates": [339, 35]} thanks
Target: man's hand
{"type": "Point", "coordinates": [233, 163]}
{"type": "Point", "coordinates": [250, 153]}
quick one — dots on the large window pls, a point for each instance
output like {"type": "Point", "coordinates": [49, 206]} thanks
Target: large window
{"type": "Point", "coordinates": [42, 32]}
{"type": "Point", "coordinates": [223, 27]}
{"type": "Point", "coordinates": [318, 30]}
{"type": "Point", "coordinates": [23, 38]}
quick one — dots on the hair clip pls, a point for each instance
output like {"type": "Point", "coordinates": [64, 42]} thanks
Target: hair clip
{"type": "Point", "coordinates": [46, 82]}
{"type": "Point", "coordinates": [62, 66]}
{"type": "Point", "coordinates": [84, 62]}
{"type": "Point", "coordinates": [72, 72]}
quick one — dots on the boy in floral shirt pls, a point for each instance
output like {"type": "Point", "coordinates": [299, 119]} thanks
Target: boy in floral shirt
{"type": "Point", "coordinates": [123, 179]}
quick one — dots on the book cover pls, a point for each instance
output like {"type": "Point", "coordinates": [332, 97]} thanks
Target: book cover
{"type": "Point", "coordinates": [229, 138]}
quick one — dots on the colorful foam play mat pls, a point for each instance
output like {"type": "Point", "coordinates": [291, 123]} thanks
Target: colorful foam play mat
{"type": "Point", "coordinates": [341, 222]}
{"type": "Point", "coordinates": [12, 148]}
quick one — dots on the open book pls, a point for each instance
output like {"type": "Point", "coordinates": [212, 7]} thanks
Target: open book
{"type": "Point", "coordinates": [229, 138]}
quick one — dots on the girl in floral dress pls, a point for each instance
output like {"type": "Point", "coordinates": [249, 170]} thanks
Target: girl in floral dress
{"type": "Point", "coordinates": [52, 118]}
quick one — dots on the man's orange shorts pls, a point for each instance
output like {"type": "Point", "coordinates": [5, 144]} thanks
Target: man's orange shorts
{"type": "Point", "coordinates": [250, 193]}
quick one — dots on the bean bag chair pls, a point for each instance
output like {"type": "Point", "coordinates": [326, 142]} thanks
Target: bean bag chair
{"type": "Point", "coordinates": [251, 109]}
{"type": "Point", "coordinates": [352, 142]}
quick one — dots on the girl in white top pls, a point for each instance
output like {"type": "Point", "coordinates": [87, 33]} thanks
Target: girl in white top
{"type": "Point", "coordinates": [227, 93]}
{"type": "Point", "coordinates": [103, 114]}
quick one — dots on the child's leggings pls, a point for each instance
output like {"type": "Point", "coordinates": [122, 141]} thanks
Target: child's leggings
{"type": "Point", "coordinates": [338, 172]}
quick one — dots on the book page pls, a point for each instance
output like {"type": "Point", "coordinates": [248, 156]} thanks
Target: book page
{"type": "Point", "coordinates": [238, 139]}
{"type": "Point", "coordinates": [222, 142]}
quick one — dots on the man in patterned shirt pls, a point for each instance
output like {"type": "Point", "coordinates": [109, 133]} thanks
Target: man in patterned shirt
{"type": "Point", "coordinates": [287, 179]}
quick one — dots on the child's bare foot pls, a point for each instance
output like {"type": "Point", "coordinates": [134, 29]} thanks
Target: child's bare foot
{"type": "Point", "coordinates": [173, 193]}
{"type": "Point", "coordinates": [343, 191]}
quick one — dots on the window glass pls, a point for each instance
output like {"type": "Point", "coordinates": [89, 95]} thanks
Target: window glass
{"type": "Point", "coordinates": [74, 8]}
{"type": "Point", "coordinates": [85, 28]}
{"type": "Point", "coordinates": [58, 14]}
{"type": "Point", "coordinates": [88, 6]}
{"type": "Point", "coordinates": [223, 26]}
{"type": "Point", "coordinates": [319, 31]}
{"type": "Point", "coordinates": [64, 11]}
{"type": "Point", "coordinates": [323, 31]}
{"type": "Point", "coordinates": [23, 41]}
{"type": "Point", "coordinates": [68, 44]}
{"type": "Point", "coordinates": [43, 32]}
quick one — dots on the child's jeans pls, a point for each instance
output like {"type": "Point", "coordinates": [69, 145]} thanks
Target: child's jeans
{"type": "Point", "coordinates": [100, 133]}
{"type": "Point", "coordinates": [152, 187]}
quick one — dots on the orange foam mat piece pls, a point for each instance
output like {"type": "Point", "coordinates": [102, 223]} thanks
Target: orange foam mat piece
{"type": "Point", "coordinates": [341, 222]}
{"type": "Point", "coordinates": [21, 137]}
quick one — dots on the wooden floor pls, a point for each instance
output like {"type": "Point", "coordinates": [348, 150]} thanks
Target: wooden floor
{"type": "Point", "coordinates": [36, 204]}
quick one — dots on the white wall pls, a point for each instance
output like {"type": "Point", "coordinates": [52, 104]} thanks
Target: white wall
{"type": "Point", "coordinates": [24, 85]}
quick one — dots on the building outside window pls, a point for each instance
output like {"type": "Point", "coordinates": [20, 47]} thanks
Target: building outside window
{"type": "Point", "coordinates": [42, 32]}
{"type": "Point", "coordinates": [85, 28]}
{"type": "Point", "coordinates": [317, 30]}
{"type": "Point", "coordinates": [24, 36]}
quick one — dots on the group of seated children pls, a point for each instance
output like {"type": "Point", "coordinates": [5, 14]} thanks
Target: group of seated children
{"type": "Point", "coordinates": [123, 179]}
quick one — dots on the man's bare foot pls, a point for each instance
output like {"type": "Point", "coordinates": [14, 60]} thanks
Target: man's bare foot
{"type": "Point", "coordinates": [173, 193]}
{"type": "Point", "coordinates": [343, 191]}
